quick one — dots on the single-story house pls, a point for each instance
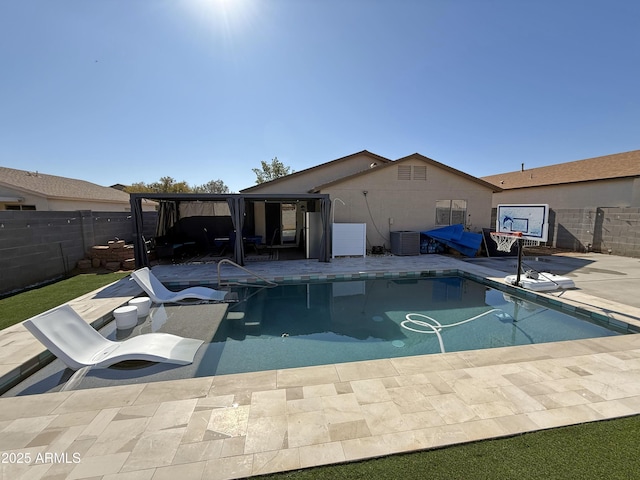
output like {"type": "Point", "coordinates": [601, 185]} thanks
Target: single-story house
{"type": "Point", "coordinates": [609, 181]}
{"type": "Point", "coordinates": [25, 190]}
{"type": "Point", "coordinates": [413, 193]}
{"type": "Point", "coordinates": [295, 213]}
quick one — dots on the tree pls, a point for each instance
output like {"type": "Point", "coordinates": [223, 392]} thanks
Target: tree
{"type": "Point", "coordinates": [138, 187]}
{"type": "Point", "coordinates": [169, 185]}
{"type": "Point", "coordinates": [164, 185]}
{"type": "Point", "coordinates": [213, 186]}
{"type": "Point", "coordinates": [271, 171]}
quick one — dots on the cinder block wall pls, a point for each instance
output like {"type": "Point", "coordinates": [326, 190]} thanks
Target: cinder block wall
{"type": "Point", "coordinates": [618, 231]}
{"type": "Point", "coordinates": [572, 228]}
{"type": "Point", "coordinates": [38, 246]}
{"type": "Point", "coordinates": [614, 230]}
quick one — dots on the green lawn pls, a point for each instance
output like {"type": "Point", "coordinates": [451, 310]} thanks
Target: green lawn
{"type": "Point", "coordinates": [601, 450]}
{"type": "Point", "coordinates": [25, 305]}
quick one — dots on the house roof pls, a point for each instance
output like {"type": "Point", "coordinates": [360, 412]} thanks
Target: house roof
{"type": "Point", "coordinates": [619, 165]}
{"type": "Point", "coordinates": [52, 186]}
{"type": "Point", "coordinates": [413, 156]}
{"type": "Point", "coordinates": [317, 167]}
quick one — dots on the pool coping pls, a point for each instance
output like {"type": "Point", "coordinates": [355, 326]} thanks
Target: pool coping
{"type": "Point", "coordinates": [616, 320]}
{"type": "Point", "coordinates": [575, 381]}
{"type": "Point", "coordinates": [281, 420]}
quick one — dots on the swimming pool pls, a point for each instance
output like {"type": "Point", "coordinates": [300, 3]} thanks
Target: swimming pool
{"type": "Point", "coordinates": [317, 323]}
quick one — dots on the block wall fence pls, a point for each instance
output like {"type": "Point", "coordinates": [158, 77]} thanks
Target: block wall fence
{"type": "Point", "coordinates": [611, 230]}
{"type": "Point", "coordinates": [37, 247]}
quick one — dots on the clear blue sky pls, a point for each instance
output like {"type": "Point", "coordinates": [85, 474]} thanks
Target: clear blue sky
{"type": "Point", "coordinates": [123, 91]}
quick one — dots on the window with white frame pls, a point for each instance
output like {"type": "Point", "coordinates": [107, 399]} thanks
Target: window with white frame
{"type": "Point", "coordinates": [451, 212]}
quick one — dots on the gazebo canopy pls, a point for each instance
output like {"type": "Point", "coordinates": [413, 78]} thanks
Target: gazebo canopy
{"type": "Point", "coordinates": [236, 203]}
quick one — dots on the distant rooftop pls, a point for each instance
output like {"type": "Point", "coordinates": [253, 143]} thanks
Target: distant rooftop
{"type": "Point", "coordinates": [52, 186]}
{"type": "Point", "coordinates": [619, 165]}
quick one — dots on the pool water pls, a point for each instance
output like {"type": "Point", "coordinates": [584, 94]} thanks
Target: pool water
{"type": "Point", "coordinates": [296, 325]}
{"type": "Point", "coordinates": [323, 323]}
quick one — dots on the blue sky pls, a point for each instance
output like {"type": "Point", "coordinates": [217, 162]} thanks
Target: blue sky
{"type": "Point", "coordinates": [123, 91]}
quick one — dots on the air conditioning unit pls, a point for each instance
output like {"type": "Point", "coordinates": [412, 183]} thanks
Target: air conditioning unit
{"type": "Point", "coordinates": [405, 243]}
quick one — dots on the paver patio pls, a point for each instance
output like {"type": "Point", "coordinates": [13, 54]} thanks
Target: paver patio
{"type": "Point", "coordinates": [239, 425]}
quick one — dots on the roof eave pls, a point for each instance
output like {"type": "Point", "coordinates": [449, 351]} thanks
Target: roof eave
{"type": "Point", "coordinates": [315, 167]}
{"type": "Point", "coordinates": [570, 182]}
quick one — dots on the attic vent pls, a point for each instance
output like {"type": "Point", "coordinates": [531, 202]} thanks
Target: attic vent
{"type": "Point", "coordinates": [404, 172]}
{"type": "Point", "coordinates": [420, 172]}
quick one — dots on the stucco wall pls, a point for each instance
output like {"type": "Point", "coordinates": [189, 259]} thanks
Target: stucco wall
{"type": "Point", "coordinates": [52, 205]}
{"type": "Point", "coordinates": [391, 204]}
{"type": "Point", "coordinates": [305, 181]}
{"type": "Point", "coordinates": [28, 199]}
{"type": "Point", "coordinates": [64, 205]}
{"type": "Point", "coordinates": [623, 192]}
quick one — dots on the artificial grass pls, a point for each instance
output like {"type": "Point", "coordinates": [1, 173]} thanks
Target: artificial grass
{"type": "Point", "coordinates": [600, 450]}
{"type": "Point", "coordinates": [25, 305]}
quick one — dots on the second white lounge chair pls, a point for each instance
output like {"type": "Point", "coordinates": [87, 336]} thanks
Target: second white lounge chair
{"type": "Point", "coordinates": [78, 344]}
{"type": "Point", "coordinates": [161, 294]}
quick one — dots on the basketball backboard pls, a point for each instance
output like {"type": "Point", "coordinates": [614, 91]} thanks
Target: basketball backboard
{"type": "Point", "coordinates": [531, 220]}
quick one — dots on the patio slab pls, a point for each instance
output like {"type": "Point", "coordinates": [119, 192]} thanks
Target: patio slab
{"type": "Point", "coordinates": [234, 426]}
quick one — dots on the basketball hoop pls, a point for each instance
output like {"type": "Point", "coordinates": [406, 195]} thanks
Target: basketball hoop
{"type": "Point", "coordinates": [505, 240]}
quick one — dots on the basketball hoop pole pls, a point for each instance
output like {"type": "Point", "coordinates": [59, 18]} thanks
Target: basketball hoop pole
{"type": "Point", "coordinates": [519, 261]}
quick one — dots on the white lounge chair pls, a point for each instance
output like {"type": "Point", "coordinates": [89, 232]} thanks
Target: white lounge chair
{"type": "Point", "coordinates": [78, 344]}
{"type": "Point", "coordinates": [161, 294]}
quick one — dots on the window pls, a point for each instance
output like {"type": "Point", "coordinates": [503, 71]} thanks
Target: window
{"type": "Point", "coordinates": [19, 207]}
{"type": "Point", "coordinates": [451, 212]}
{"type": "Point", "coordinates": [458, 212]}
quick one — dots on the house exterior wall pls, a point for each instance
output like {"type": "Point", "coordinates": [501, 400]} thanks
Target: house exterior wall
{"type": "Point", "coordinates": [624, 192]}
{"type": "Point", "coordinates": [635, 196]}
{"type": "Point", "coordinates": [96, 206]}
{"type": "Point", "coordinates": [392, 204]}
{"type": "Point", "coordinates": [304, 181]}
{"type": "Point", "coordinates": [54, 204]}
{"type": "Point", "coordinates": [39, 202]}
{"type": "Point", "coordinates": [260, 227]}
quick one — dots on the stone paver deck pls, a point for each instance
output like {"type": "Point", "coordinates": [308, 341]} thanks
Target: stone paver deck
{"type": "Point", "coordinates": [247, 424]}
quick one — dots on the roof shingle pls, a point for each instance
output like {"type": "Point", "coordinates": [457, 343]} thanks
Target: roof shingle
{"type": "Point", "coordinates": [619, 165]}
{"type": "Point", "coordinates": [52, 186]}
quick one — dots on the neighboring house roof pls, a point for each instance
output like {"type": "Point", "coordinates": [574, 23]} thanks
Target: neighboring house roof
{"type": "Point", "coordinates": [51, 186]}
{"type": "Point", "coordinates": [322, 165]}
{"type": "Point", "coordinates": [620, 165]}
{"type": "Point", "coordinates": [413, 156]}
